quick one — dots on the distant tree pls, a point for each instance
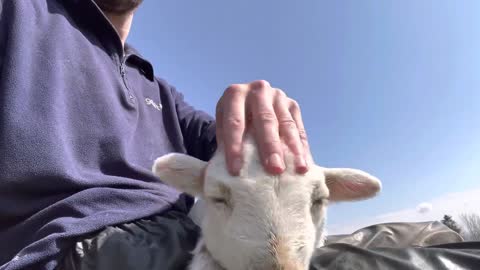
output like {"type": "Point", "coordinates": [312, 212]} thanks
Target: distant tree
{"type": "Point", "coordinates": [449, 222]}
{"type": "Point", "coordinates": [471, 225]}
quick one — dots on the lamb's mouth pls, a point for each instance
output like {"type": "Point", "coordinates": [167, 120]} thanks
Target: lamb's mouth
{"type": "Point", "coordinates": [204, 249]}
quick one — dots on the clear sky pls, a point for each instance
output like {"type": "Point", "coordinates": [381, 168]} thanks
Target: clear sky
{"type": "Point", "coordinates": [389, 87]}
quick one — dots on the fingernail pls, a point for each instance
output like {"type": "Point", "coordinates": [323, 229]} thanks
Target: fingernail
{"type": "Point", "coordinates": [276, 161]}
{"type": "Point", "coordinates": [237, 165]}
{"type": "Point", "coordinates": [300, 164]}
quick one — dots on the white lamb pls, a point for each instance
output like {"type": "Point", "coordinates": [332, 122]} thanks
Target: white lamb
{"type": "Point", "coordinates": [257, 220]}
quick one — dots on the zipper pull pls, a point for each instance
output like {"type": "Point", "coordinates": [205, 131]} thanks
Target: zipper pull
{"type": "Point", "coordinates": [122, 70]}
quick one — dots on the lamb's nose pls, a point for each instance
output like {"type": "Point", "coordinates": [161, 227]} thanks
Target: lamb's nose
{"type": "Point", "coordinates": [291, 266]}
{"type": "Point", "coordinates": [285, 260]}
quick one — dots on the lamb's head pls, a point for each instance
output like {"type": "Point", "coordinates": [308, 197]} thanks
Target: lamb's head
{"type": "Point", "coordinates": [260, 221]}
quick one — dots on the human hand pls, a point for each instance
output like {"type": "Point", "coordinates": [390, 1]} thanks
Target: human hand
{"type": "Point", "coordinates": [274, 118]}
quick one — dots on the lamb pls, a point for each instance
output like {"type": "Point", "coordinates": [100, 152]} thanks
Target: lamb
{"type": "Point", "coordinates": [257, 220]}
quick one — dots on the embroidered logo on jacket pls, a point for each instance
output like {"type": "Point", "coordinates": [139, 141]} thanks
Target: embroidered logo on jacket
{"type": "Point", "coordinates": [152, 103]}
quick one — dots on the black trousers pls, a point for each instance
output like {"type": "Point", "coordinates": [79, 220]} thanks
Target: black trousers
{"type": "Point", "coordinates": [157, 243]}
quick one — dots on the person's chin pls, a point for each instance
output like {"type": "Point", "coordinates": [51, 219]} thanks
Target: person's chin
{"type": "Point", "coordinates": [118, 6]}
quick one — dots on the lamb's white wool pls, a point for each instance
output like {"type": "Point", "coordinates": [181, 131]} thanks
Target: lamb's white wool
{"type": "Point", "coordinates": [256, 220]}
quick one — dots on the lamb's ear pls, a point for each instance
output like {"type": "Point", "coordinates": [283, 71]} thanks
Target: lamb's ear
{"type": "Point", "coordinates": [182, 172]}
{"type": "Point", "coordinates": [350, 184]}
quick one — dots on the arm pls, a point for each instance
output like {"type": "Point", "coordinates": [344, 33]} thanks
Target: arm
{"type": "Point", "coordinates": [198, 128]}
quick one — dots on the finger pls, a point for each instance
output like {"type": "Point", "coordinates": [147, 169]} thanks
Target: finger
{"type": "Point", "coordinates": [294, 109]}
{"type": "Point", "coordinates": [289, 132]}
{"type": "Point", "coordinates": [265, 124]}
{"type": "Point", "coordinates": [232, 127]}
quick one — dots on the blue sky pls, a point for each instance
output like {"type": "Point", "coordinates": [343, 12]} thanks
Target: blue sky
{"type": "Point", "coordinates": [390, 87]}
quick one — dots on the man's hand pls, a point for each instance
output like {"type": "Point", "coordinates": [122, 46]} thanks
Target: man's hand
{"type": "Point", "coordinates": [274, 118]}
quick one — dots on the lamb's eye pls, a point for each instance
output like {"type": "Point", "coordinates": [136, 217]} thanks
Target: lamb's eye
{"type": "Point", "coordinates": [218, 200]}
{"type": "Point", "coordinates": [317, 201]}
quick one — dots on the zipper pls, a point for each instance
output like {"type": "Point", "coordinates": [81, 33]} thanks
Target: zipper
{"type": "Point", "coordinates": [123, 73]}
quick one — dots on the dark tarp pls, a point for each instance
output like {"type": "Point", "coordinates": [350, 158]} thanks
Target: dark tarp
{"type": "Point", "coordinates": [165, 242]}
{"type": "Point", "coordinates": [422, 246]}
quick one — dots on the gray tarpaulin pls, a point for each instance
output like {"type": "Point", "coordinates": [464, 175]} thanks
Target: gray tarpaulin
{"type": "Point", "coordinates": [422, 246]}
{"type": "Point", "coordinates": [165, 242]}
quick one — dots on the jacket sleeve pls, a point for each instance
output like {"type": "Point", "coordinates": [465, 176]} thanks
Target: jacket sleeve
{"type": "Point", "coordinates": [198, 128]}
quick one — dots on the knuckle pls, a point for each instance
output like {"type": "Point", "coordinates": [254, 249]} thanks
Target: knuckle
{"type": "Point", "coordinates": [234, 150]}
{"type": "Point", "coordinates": [287, 123]}
{"type": "Point", "coordinates": [261, 84]}
{"type": "Point", "coordinates": [258, 93]}
{"type": "Point", "coordinates": [233, 122]}
{"type": "Point", "coordinates": [293, 104]}
{"type": "Point", "coordinates": [267, 116]}
{"type": "Point", "coordinates": [234, 89]}
{"type": "Point", "coordinates": [303, 134]}
{"type": "Point", "coordinates": [291, 141]}
{"type": "Point", "coordinates": [280, 92]}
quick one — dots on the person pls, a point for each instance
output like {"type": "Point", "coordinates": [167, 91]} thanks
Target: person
{"type": "Point", "coordinates": [83, 117]}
